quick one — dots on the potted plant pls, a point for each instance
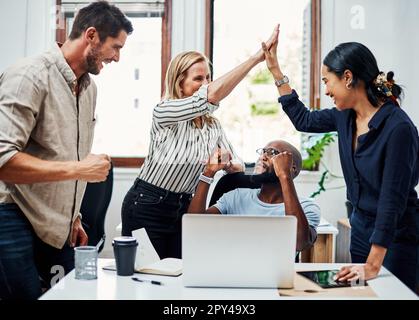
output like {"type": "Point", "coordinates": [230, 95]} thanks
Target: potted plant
{"type": "Point", "coordinates": [312, 163]}
{"type": "Point", "coordinates": [315, 152]}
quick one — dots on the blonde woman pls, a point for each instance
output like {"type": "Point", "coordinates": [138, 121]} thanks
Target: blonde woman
{"type": "Point", "coordinates": [183, 136]}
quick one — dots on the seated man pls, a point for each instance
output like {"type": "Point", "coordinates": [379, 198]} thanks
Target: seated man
{"type": "Point", "coordinates": [279, 163]}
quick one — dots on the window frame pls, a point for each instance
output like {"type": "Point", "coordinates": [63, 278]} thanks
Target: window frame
{"type": "Point", "coordinates": [209, 29]}
{"type": "Point", "coordinates": [61, 35]}
{"type": "Point", "coordinates": [315, 48]}
{"type": "Point", "coordinates": [315, 59]}
{"type": "Point", "coordinates": [315, 55]}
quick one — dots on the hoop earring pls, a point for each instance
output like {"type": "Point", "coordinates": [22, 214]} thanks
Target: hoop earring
{"type": "Point", "coordinates": [348, 86]}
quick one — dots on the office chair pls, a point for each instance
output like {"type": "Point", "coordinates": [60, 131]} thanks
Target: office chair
{"type": "Point", "coordinates": [93, 208]}
{"type": "Point", "coordinates": [230, 182]}
{"type": "Point", "coordinates": [241, 180]}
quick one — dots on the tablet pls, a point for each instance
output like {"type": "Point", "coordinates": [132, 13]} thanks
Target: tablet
{"type": "Point", "coordinates": [324, 278]}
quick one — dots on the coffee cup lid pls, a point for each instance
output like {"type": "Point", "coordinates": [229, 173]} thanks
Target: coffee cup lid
{"type": "Point", "coordinates": [125, 240]}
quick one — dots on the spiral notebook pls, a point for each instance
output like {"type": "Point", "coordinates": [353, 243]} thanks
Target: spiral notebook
{"type": "Point", "coordinates": [148, 261]}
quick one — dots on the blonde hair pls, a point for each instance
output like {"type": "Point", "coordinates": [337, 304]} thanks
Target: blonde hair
{"type": "Point", "coordinates": [176, 73]}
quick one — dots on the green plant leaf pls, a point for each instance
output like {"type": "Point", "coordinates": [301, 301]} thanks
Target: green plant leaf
{"type": "Point", "coordinates": [315, 153]}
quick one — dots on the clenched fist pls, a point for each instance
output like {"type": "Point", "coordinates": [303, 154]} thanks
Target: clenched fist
{"type": "Point", "coordinates": [94, 168]}
{"type": "Point", "coordinates": [283, 163]}
{"type": "Point", "coordinates": [218, 160]}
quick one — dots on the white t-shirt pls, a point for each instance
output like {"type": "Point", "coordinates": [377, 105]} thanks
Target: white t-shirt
{"type": "Point", "coordinates": [247, 202]}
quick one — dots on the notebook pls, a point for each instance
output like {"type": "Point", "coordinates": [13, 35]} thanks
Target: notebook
{"type": "Point", "coordinates": [164, 267]}
{"type": "Point", "coordinates": [148, 261]}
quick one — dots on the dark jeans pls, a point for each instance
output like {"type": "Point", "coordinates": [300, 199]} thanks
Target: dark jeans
{"type": "Point", "coordinates": [25, 260]}
{"type": "Point", "coordinates": [402, 258]}
{"type": "Point", "coordinates": [160, 212]}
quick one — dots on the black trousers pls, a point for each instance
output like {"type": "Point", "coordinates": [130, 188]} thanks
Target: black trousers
{"type": "Point", "coordinates": [160, 212]}
{"type": "Point", "coordinates": [402, 257]}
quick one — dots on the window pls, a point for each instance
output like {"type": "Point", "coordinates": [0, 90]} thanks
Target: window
{"type": "Point", "coordinates": [129, 90]}
{"type": "Point", "coordinates": [251, 115]}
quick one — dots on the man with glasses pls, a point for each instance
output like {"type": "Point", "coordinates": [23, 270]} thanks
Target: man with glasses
{"type": "Point", "coordinates": [279, 163]}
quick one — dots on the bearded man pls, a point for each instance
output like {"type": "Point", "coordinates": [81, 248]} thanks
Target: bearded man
{"type": "Point", "coordinates": [271, 193]}
{"type": "Point", "coordinates": [47, 107]}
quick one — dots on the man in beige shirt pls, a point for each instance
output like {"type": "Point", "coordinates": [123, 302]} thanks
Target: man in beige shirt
{"type": "Point", "coordinates": [47, 106]}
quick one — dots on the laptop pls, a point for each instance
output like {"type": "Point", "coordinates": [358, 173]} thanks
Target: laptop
{"type": "Point", "coordinates": [238, 251]}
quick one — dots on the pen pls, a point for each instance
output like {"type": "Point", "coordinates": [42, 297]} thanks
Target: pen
{"type": "Point", "coordinates": [145, 280]}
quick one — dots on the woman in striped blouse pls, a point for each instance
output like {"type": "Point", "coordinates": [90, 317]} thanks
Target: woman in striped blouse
{"type": "Point", "coordinates": [184, 134]}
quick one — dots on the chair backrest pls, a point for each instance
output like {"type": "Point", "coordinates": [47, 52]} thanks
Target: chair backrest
{"type": "Point", "coordinates": [230, 182]}
{"type": "Point", "coordinates": [94, 207]}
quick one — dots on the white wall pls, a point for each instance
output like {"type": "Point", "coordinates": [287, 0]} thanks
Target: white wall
{"type": "Point", "coordinates": [188, 26]}
{"type": "Point", "coordinates": [123, 180]}
{"type": "Point", "coordinates": [13, 18]}
{"type": "Point", "coordinates": [27, 28]}
{"type": "Point", "coordinates": [390, 30]}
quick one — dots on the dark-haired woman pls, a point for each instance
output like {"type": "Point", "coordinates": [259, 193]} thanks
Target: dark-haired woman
{"type": "Point", "coordinates": [378, 147]}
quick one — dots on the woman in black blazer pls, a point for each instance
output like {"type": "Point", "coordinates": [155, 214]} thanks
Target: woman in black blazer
{"type": "Point", "coordinates": [378, 147]}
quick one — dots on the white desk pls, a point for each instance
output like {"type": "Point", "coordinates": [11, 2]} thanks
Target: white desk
{"type": "Point", "coordinates": [109, 286]}
{"type": "Point", "coordinates": [323, 250]}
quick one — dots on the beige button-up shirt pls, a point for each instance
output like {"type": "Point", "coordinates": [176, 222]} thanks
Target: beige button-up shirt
{"type": "Point", "coordinates": [41, 115]}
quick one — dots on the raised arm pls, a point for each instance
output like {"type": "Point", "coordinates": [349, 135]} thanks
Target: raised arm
{"type": "Point", "coordinates": [170, 112]}
{"type": "Point", "coordinates": [299, 114]}
{"type": "Point", "coordinates": [221, 87]}
{"type": "Point", "coordinates": [283, 170]}
{"type": "Point", "coordinates": [206, 99]}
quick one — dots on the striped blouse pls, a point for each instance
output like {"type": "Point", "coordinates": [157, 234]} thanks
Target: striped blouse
{"type": "Point", "coordinates": [178, 149]}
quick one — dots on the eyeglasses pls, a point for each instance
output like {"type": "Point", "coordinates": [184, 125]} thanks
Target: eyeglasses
{"type": "Point", "coordinates": [270, 152]}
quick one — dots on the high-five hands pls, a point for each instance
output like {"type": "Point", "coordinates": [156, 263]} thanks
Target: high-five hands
{"type": "Point", "coordinates": [270, 53]}
{"type": "Point", "coordinates": [260, 55]}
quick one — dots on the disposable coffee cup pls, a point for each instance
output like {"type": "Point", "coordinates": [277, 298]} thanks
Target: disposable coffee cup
{"type": "Point", "coordinates": [125, 249]}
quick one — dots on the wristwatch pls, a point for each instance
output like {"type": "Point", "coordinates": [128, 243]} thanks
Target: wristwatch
{"type": "Point", "coordinates": [206, 179]}
{"type": "Point", "coordinates": [282, 81]}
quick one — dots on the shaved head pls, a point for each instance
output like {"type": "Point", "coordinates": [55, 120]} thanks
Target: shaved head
{"type": "Point", "coordinates": [282, 145]}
